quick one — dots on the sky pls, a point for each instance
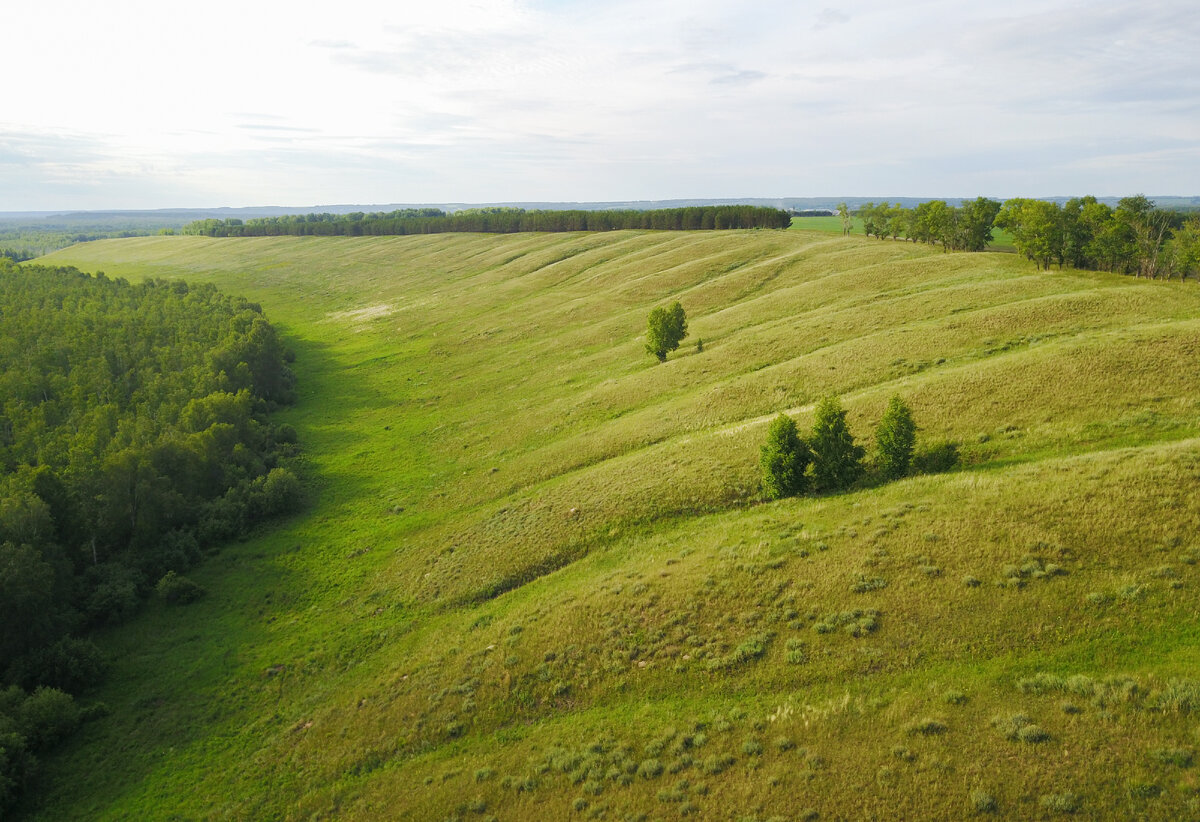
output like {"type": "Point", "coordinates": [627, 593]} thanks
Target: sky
{"type": "Point", "coordinates": [139, 104]}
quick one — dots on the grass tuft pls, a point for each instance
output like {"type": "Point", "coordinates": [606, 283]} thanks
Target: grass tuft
{"type": "Point", "coordinates": [982, 802]}
{"type": "Point", "coordinates": [1061, 802]}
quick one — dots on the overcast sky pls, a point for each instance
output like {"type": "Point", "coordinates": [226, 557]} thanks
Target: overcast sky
{"type": "Point", "coordinates": [139, 104]}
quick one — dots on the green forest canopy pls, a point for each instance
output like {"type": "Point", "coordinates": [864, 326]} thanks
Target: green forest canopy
{"type": "Point", "coordinates": [134, 431]}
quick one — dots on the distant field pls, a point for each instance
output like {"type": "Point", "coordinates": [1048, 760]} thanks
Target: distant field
{"type": "Point", "coordinates": [831, 224]}
{"type": "Point", "coordinates": [538, 581]}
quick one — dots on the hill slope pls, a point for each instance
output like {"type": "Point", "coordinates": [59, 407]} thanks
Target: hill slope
{"type": "Point", "coordinates": [537, 581]}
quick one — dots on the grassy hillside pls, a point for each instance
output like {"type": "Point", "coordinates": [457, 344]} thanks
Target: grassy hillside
{"type": "Point", "coordinates": [538, 581]}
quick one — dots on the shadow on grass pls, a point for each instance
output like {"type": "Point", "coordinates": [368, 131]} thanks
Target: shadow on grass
{"type": "Point", "coordinates": [187, 679]}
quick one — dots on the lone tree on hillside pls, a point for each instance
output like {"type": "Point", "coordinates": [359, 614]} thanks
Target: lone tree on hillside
{"type": "Point", "coordinates": [894, 440]}
{"type": "Point", "coordinates": [665, 329]}
{"type": "Point", "coordinates": [837, 460]}
{"type": "Point", "coordinates": [784, 460]}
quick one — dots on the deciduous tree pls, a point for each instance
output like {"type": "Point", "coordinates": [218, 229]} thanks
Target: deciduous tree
{"type": "Point", "coordinates": [784, 459]}
{"type": "Point", "coordinates": [843, 211]}
{"type": "Point", "coordinates": [665, 329]}
{"type": "Point", "coordinates": [837, 459]}
{"type": "Point", "coordinates": [895, 438]}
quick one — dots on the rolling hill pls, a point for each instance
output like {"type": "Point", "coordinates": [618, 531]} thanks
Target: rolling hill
{"type": "Point", "coordinates": [537, 580]}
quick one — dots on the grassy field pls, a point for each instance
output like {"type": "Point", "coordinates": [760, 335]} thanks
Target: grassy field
{"type": "Point", "coordinates": [537, 581]}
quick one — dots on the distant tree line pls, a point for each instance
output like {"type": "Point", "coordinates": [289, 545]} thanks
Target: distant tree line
{"type": "Point", "coordinates": [494, 220]}
{"type": "Point", "coordinates": [19, 242]}
{"type": "Point", "coordinates": [134, 433]}
{"type": "Point", "coordinates": [966, 228]}
{"type": "Point", "coordinates": [1133, 238]}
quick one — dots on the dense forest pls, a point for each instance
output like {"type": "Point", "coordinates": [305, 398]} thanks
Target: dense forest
{"type": "Point", "coordinates": [494, 220]}
{"type": "Point", "coordinates": [1133, 238]}
{"type": "Point", "coordinates": [134, 433]}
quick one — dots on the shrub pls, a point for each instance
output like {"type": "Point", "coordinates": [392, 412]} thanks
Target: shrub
{"type": "Point", "coordinates": [1179, 757]}
{"type": "Point", "coordinates": [173, 551]}
{"type": "Point", "coordinates": [178, 589]}
{"type": "Point", "coordinates": [714, 765]}
{"type": "Point", "coordinates": [1061, 802]}
{"type": "Point", "coordinates": [1032, 733]}
{"type": "Point", "coordinates": [69, 664]}
{"type": "Point", "coordinates": [862, 584]}
{"type": "Point", "coordinates": [650, 768]}
{"type": "Point", "coordinates": [928, 727]}
{"type": "Point", "coordinates": [894, 440]}
{"type": "Point", "coordinates": [16, 764]}
{"type": "Point", "coordinates": [1142, 790]}
{"type": "Point", "coordinates": [279, 492]}
{"type": "Point", "coordinates": [751, 648]}
{"type": "Point", "coordinates": [982, 801]}
{"type": "Point", "coordinates": [784, 459]}
{"type": "Point", "coordinates": [47, 716]}
{"type": "Point", "coordinates": [797, 651]}
{"type": "Point", "coordinates": [934, 459]}
{"type": "Point", "coordinates": [221, 519]}
{"type": "Point", "coordinates": [680, 763]}
{"type": "Point", "coordinates": [114, 595]}
{"type": "Point", "coordinates": [1019, 727]}
{"type": "Point", "coordinates": [837, 460]}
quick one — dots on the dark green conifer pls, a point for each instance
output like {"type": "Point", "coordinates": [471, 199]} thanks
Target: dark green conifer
{"type": "Point", "coordinates": [837, 460]}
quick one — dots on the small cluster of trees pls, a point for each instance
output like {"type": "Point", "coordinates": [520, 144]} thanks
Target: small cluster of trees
{"type": "Point", "coordinates": [965, 228]}
{"type": "Point", "coordinates": [30, 724]}
{"type": "Point", "coordinates": [829, 459]}
{"type": "Point", "coordinates": [134, 432]}
{"type": "Point", "coordinates": [495, 220]}
{"type": "Point", "coordinates": [1133, 238]}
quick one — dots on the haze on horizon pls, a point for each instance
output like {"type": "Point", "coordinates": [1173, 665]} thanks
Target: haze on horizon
{"type": "Point", "coordinates": [141, 105]}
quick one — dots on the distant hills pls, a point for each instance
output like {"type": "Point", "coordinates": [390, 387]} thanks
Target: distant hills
{"type": "Point", "coordinates": [177, 216]}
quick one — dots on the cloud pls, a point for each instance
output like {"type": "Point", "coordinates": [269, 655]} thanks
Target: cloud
{"type": "Point", "coordinates": [830, 17]}
{"type": "Point", "coordinates": [738, 78]}
{"type": "Point", "coordinates": [552, 99]}
{"type": "Point", "coordinates": [261, 127]}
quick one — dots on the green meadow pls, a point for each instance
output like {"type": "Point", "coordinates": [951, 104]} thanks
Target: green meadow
{"type": "Point", "coordinates": [536, 578]}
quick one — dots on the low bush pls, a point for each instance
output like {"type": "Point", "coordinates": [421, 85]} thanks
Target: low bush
{"type": "Point", "coordinates": [936, 458]}
{"type": "Point", "coordinates": [178, 589]}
